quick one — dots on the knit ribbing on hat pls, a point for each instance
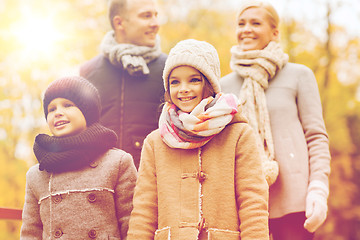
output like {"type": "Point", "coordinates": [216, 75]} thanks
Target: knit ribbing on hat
{"type": "Point", "coordinates": [78, 90]}
{"type": "Point", "coordinates": [197, 54]}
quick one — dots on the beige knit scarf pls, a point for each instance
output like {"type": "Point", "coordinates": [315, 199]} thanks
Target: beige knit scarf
{"type": "Point", "coordinates": [131, 57]}
{"type": "Point", "coordinates": [256, 67]}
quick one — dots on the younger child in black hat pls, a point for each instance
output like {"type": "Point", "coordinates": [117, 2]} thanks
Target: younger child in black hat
{"type": "Point", "coordinates": [83, 186]}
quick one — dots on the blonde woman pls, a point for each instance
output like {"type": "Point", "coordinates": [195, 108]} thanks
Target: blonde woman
{"type": "Point", "coordinates": [281, 101]}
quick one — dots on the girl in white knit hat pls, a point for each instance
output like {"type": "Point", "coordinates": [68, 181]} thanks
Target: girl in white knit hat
{"type": "Point", "coordinates": [200, 174]}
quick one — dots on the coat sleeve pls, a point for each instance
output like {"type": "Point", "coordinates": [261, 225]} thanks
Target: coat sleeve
{"type": "Point", "coordinates": [124, 191]}
{"type": "Point", "coordinates": [143, 220]}
{"type": "Point", "coordinates": [251, 189]}
{"type": "Point", "coordinates": [310, 113]}
{"type": "Point", "coordinates": [32, 226]}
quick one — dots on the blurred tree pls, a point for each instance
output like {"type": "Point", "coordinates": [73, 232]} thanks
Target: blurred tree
{"type": "Point", "coordinates": [205, 25]}
{"type": "Point", "coordinates": [329, 59]}
{"type": "Point", "coordinates": [39, 42]}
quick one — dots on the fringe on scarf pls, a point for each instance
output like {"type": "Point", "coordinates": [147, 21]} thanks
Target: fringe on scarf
{"type": "Point", "coordinates": [131, 57]}
{"type": "Point", "coordinates": [256, 68]}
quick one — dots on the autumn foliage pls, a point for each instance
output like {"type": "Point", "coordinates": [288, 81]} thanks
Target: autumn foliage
{"type": "Point", "coordinates": [27, 66]}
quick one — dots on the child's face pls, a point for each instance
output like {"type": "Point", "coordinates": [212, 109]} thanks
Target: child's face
{"type": "Point", "coordinates": [186, 86]}
{"type": "Point", "coordinates": [65, 118]}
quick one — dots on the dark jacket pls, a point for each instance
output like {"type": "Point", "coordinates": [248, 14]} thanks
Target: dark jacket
{"type": "Point", "coordinates": [130, 104]}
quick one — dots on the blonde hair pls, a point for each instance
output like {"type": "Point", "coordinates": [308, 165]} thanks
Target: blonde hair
{"type": "Point", "coordinates": [272, 13]}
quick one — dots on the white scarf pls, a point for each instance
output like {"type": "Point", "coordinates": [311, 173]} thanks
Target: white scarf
{"type": "Point", "coordinates": [183, 130]}
{"type": "Point", "coordinates": [131, 57]}
{"type": "Point", "coordinates": [256, 67]}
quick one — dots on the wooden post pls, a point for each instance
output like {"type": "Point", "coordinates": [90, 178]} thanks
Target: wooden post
{"type": "Point", "coordinates": [10, 213]}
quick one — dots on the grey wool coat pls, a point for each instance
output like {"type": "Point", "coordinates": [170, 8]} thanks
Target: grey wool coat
{"type": "Point", "coordinates": [91, 203]}
{"type": "Point", "coordinates": [300, 138]}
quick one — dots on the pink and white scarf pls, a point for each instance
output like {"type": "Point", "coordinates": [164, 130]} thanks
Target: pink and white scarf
{"type": "Point", "coordinates": [183, 130]}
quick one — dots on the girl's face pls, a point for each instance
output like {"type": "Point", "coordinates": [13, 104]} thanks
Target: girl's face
{"type": "Point", "coordinates": [186, 85]}
{"type": "Point", "coordinates": [65, 118]}
{"type": "Point", "coordinates": [254, 31]}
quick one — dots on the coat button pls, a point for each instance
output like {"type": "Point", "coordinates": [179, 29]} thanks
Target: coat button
{"type": "Point", "coordinates": [94, 164]}
{"type": "Point", "coordinates": [137, 144]}
{"type": "Point", "coordinates": [57, 199]}
{"type": "Point", "coordinates": [202, 176]}
{"type": "Point", "coordinates": [58, 233]}
{"type": "Point", "coordinates": [92, 233]}
{"type": "Point", "coordinates": [201, 224]}
{"type": "Point", "coordinates": [91, 197]}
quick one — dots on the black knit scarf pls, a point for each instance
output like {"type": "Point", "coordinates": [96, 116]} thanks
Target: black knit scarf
{"type": "Point", "coordinates": [62, 154]}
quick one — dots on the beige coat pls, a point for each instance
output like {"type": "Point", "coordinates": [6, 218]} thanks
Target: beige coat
{"type": "Point", "coordinates": [94, 202]}
{"type": "Point", "coordinates": [300, 138]}
{"type": "Point", "coordinates": [168, 202]}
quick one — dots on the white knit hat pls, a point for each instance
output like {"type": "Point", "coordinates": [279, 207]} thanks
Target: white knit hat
{"type": "Point", "coordinates": [198, 54]}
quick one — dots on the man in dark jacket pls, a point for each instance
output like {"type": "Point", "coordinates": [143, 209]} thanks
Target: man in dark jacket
{"type": "Point", "coordinates": [128, 73]}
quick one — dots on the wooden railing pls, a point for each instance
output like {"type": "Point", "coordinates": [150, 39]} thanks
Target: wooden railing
{"type": "Point", "coordinates": [10, 213]}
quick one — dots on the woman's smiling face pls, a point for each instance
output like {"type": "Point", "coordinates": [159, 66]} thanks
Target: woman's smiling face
{"type": "Point", "coordinates": [254, 30]}
{"type": "Point", "coordinates": [186, 85]}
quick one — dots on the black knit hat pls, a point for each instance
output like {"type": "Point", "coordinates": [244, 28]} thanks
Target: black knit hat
{"type": "Point", "coordinates": [78, 90]}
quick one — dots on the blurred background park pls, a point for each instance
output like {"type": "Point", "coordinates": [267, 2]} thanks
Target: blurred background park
{"type": "Point", "coordinates": [41, 40]}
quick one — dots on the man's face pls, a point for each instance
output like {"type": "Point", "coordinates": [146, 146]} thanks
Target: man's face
{"type": "Point", "coordinates": [140, 25]}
